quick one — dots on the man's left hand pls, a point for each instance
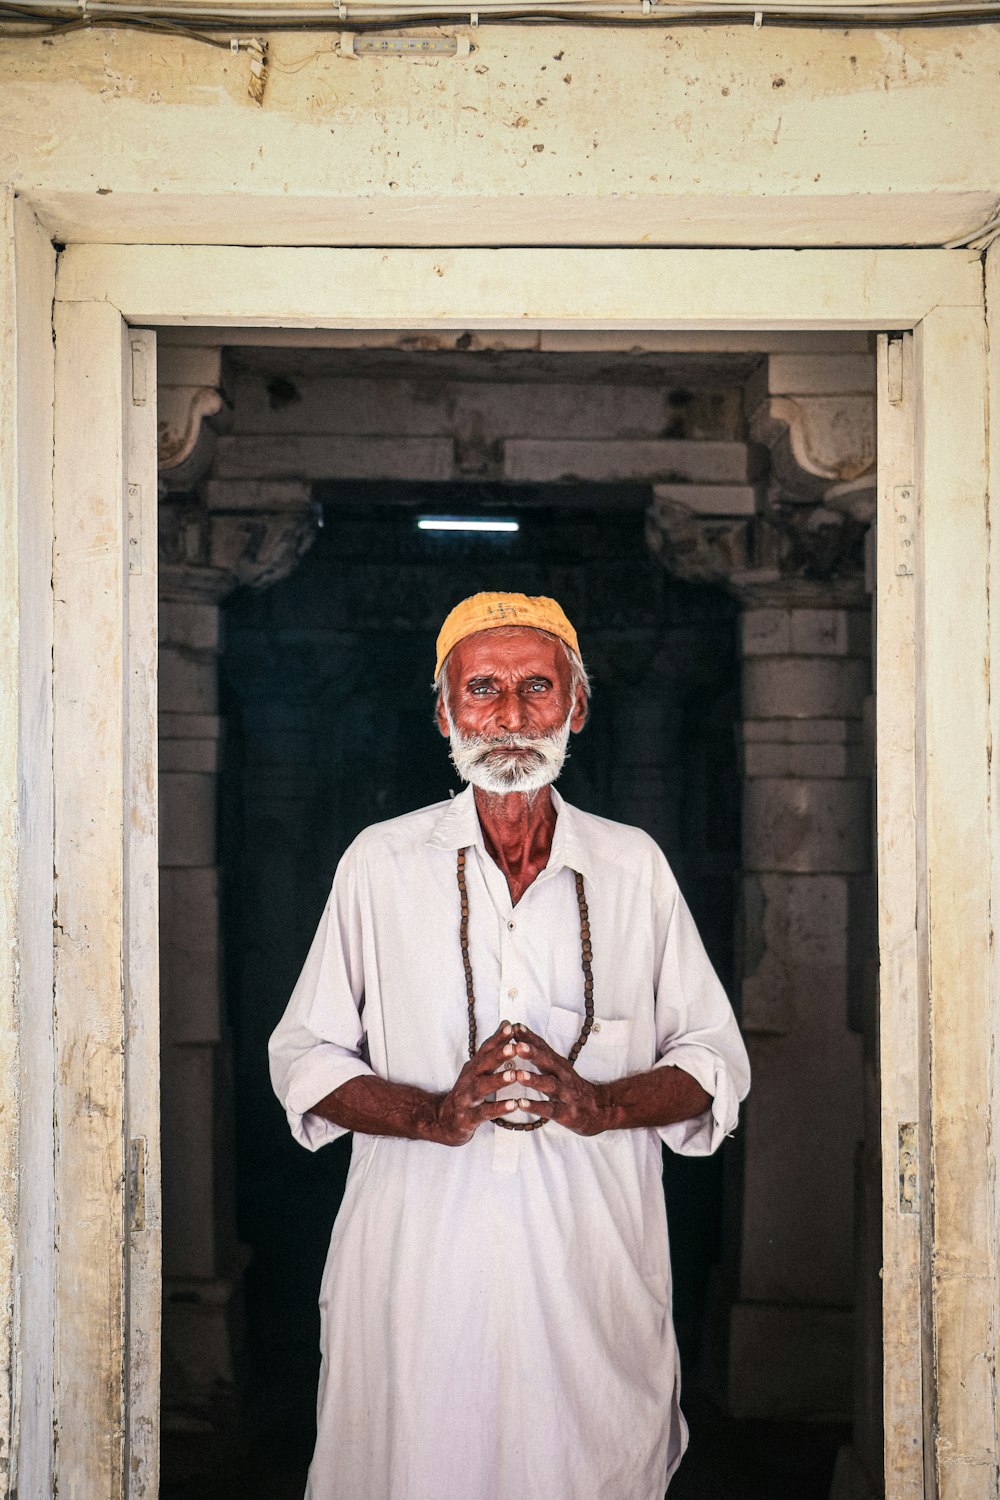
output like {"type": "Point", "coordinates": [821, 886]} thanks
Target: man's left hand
{"type": "Point", "coordinates": [654, 1099]}
{"type": "Point", "coordinates": [568, 1098]}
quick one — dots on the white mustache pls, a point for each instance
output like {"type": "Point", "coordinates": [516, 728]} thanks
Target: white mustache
{"type": "Point", "coordinates": [480, 759]}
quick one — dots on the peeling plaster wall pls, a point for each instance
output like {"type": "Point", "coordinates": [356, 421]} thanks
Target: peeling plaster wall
{"type": "Point", "coordinates": [544, 134]}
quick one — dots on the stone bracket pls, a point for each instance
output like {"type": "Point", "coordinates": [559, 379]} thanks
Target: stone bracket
{"type": "Point", "coordinates": [816, 413]}
{"type": "Point", "coordinates": [192, 410]}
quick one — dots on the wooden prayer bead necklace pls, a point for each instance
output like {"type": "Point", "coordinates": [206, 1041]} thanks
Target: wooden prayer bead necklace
{"type": "Point", "coordinates": [586, 956]}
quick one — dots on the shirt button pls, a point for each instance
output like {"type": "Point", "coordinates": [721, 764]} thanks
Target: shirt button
{"type": "Point", "coordinates": [596, 1026]}
{"type": "Point", "coordinates": [512, 993]}
{"type": "Point", "coordinates": [510, 926]}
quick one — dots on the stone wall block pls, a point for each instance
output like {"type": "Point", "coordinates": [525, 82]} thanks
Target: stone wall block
{"type": "Point", "coordinates": [795, 952]}
{"type": "Point", "coordinates": [188, 1180]}
{"type": "Point", "coordinates": [188, 681]}
{"type": "Point", "coordinates": [190, 624]}
{"type": "Point", "coordinates": [187, 818]}
{"type": "Point", "coordinates": [802, 731]}
{"type": "Point", "coordinates": [811, 826]}
{"type": "Point", "coordinates": [808, 761]}
{"type": "Point", "coordinates": [830, 632]}
{"type": "Point", "coordinates": [189, 755]}
{"type": "Point", "coordinates": [766, 632]}
{"type": "Point", "coordinates": [804, 687]}
{"type": "Point", "coordinates": [190, 953]}
{"type": "Point", "coordinates": [766, 759]}
{"type": "Point", "coordinates": [819, 374]}
{"type": "Point", "coordinates": [309, 457]}
{"type": "Point", "coordinates": [803, 1120]}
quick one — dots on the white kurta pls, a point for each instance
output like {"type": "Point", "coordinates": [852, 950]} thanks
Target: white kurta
{"type": "Point", "coordinates": [496, 1320]}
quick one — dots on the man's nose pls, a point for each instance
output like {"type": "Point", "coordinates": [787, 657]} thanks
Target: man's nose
{"type": "Point", "coordinates": [510, 716]}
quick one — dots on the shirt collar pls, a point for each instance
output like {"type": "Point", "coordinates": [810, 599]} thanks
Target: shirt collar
{"type": "Point", "coordinates": [457, 827]}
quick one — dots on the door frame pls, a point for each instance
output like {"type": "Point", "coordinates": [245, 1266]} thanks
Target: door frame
{"type": "Point", "coordinates": [937, 827]}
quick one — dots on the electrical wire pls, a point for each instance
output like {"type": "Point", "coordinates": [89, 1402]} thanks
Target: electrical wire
{"type": "Point", "coordinates": [197, 22]}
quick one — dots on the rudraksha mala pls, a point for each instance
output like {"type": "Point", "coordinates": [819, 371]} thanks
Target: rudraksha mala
{"type": "Point", "coordinates": [586, 957]}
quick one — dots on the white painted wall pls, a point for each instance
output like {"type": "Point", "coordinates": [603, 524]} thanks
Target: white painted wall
{"type": "Point", "coordinates": [545, 134]}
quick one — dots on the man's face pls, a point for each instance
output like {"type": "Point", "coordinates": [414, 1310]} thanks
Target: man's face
{"type": "Point", "coordinates": [508, 688]}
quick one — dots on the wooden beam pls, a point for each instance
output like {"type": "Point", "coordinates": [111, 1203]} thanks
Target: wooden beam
{"type": "Point", "coordinates": [573, 289]}
{"type": "Point", "coordinates": [953, 720]}
{"type": "Point", "coordinates": [89, 727]}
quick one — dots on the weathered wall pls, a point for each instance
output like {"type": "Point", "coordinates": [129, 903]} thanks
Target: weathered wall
{"type": "Point", "coordinates": [547, 134]}
{"type": "Point", "coordinates": [9, 641]}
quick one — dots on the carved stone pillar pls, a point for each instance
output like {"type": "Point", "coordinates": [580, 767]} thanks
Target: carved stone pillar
{"type": "Point", "coordinates": [806, 850]}
{"type": "Point", "coordinates": [782, 1333]}
{"type": "Point", "coordinates": [244, 535]}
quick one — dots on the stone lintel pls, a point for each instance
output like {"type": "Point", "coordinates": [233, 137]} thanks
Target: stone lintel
{"type": "Point", "coordinates": [712, 499]}
{"type": "Point", "coordinates": [667, 461]}
{"type": "Point", "coordinates": [256, 495]}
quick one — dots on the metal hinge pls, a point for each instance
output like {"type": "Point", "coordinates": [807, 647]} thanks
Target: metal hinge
{"type": "Point", "coordinates": [909, 1165]}
{"type": "Point", "coordinates": [137, 1183]}
{"type": "Point", "coordinates": [894, 369]}
{"type": "Point", "coordinates": [134, 528]}
{"type": "Point", "coordinates": [904, 533]}
{"type": "Point", "coordinates": [140, 381]}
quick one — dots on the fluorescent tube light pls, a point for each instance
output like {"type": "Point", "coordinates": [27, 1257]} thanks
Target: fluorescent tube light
{"type": "Point", "coordinates": [464, 523]}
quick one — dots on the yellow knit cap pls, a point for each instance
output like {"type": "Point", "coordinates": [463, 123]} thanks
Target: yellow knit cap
{"type": "Point", "coordinates": [491, 611]}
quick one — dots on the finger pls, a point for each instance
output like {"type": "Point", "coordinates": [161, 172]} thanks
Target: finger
{"type": "Point", "coordinates": [503, 1051]}
{"type": "Point", "coordinates": [494, 1045]}
{"type": "Point", "coordinates": [543, 1054]}
{"type": "Point", "coordinates": [496, 1109]}
{"type": "Point", "coordinates": [488, 1083]}
{"type": "Point", "coordinates": [546, 1083]}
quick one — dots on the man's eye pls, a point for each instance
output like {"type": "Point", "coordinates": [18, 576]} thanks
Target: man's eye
{"type": "Point", "coordinates": [480, 689]}
{"type": "Point", "coordinates": [537, 687]}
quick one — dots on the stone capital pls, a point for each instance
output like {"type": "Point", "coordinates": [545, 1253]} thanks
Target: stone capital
{"type": "Point", "coordinates": [206, 553]}
{"type": "Point", "coordinates": [789, 554]}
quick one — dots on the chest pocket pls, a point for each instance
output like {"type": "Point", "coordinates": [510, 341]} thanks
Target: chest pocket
{"type": "Point", "coordinates": [605, 1054]}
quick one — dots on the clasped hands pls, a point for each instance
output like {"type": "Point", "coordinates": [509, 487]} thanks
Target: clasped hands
{"type": "Point", "coordinates": [566, 1097]}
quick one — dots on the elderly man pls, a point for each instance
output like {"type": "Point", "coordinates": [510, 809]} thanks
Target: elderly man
{"type": "Point", "coordinates": [496, 1319]}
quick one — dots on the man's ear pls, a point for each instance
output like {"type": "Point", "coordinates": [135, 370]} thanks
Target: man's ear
{"type": "Point", "coordinates": [580, 709]}
{"type": "Point", "coordinates": [441, 718]}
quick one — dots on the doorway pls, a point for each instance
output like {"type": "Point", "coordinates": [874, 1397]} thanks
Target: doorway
{"type": "Point", "coordinates": [321, 688]}
{"type": "Point", "coordinates": [928, 781]}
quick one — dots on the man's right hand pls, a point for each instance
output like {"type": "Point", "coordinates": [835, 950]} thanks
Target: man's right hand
{"type": "Point", "coordinates": [464, 1108]}
{"type": "Point", "coordinates": [374, 1106]}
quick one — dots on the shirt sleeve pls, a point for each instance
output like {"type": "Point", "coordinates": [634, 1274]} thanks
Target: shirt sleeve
{"type": "Point", "coordinates": [318, 1043]}
{"type": "Point", "coordinates": [696, 1030]}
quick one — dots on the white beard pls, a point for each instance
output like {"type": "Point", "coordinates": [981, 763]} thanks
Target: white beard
{"type": "Point", "coordinates": [481, 760]}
